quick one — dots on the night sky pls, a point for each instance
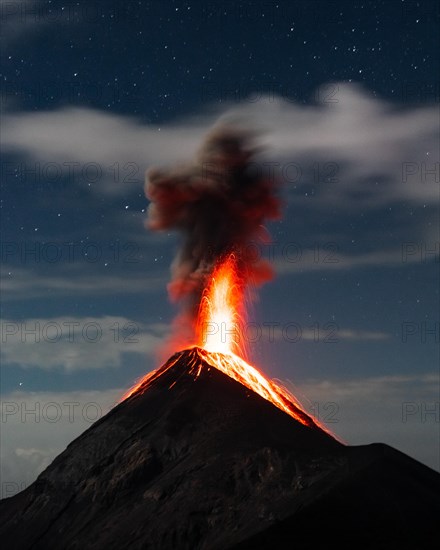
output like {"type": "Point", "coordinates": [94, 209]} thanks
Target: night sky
{"type": "Point", "coordinates": [346, 95]}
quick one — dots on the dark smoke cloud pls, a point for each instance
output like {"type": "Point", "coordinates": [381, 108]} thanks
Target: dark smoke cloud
{"type": "Point", "coordinates": [219, 203]}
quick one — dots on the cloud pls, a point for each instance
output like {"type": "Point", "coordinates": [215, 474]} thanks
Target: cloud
{"type": "Point", "coordinates": [373, 145]}
{"type": "Point", "coordinates": [77, 343]}
{"type": "Point", "coordinates": [349, 334]}
{"type": "Point", "coordinates": [91, 137]}
{"type": "Point", "coordinates": [379, 153]}
{"type": "Point", "coordinates": [24, 284]}
{"type": "Point", "coordinates": [410, 386]}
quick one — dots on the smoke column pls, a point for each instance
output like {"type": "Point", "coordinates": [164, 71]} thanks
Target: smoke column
{"type": "Point", "coordinates": [218, 203]}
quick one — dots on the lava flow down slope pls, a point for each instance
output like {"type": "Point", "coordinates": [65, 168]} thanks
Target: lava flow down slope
{"type": "Point", "coordinates": [193, 459]}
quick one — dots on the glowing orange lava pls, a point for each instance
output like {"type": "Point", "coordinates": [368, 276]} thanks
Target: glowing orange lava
{"type": "Point", "coordinates": [218, 344]}
{"type": "Point", "coordinates": [220, 312]}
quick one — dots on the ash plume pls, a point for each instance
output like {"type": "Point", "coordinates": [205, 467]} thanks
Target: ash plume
{"type": "Point", "coordinates": [218, 202]}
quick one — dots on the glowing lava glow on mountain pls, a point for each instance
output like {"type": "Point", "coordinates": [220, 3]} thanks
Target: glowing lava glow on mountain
{"type": "Point", "coordinates": [218, 344]}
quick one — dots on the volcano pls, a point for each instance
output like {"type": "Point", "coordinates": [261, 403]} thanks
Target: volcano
{"type": "Point", "coordinates": [193, 459]}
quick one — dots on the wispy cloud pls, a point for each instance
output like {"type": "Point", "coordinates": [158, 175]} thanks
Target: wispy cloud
{"type": "Point", "coordinates": [351, 334]}
{"type": "Point", "coordinates": [23, 284]}
{"type": "Point", "coordinates": [380, 153]}
{"type": "Point", "coordinates": [77, 343]}
{"type": "Point", "coordinates": [82, 135]}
